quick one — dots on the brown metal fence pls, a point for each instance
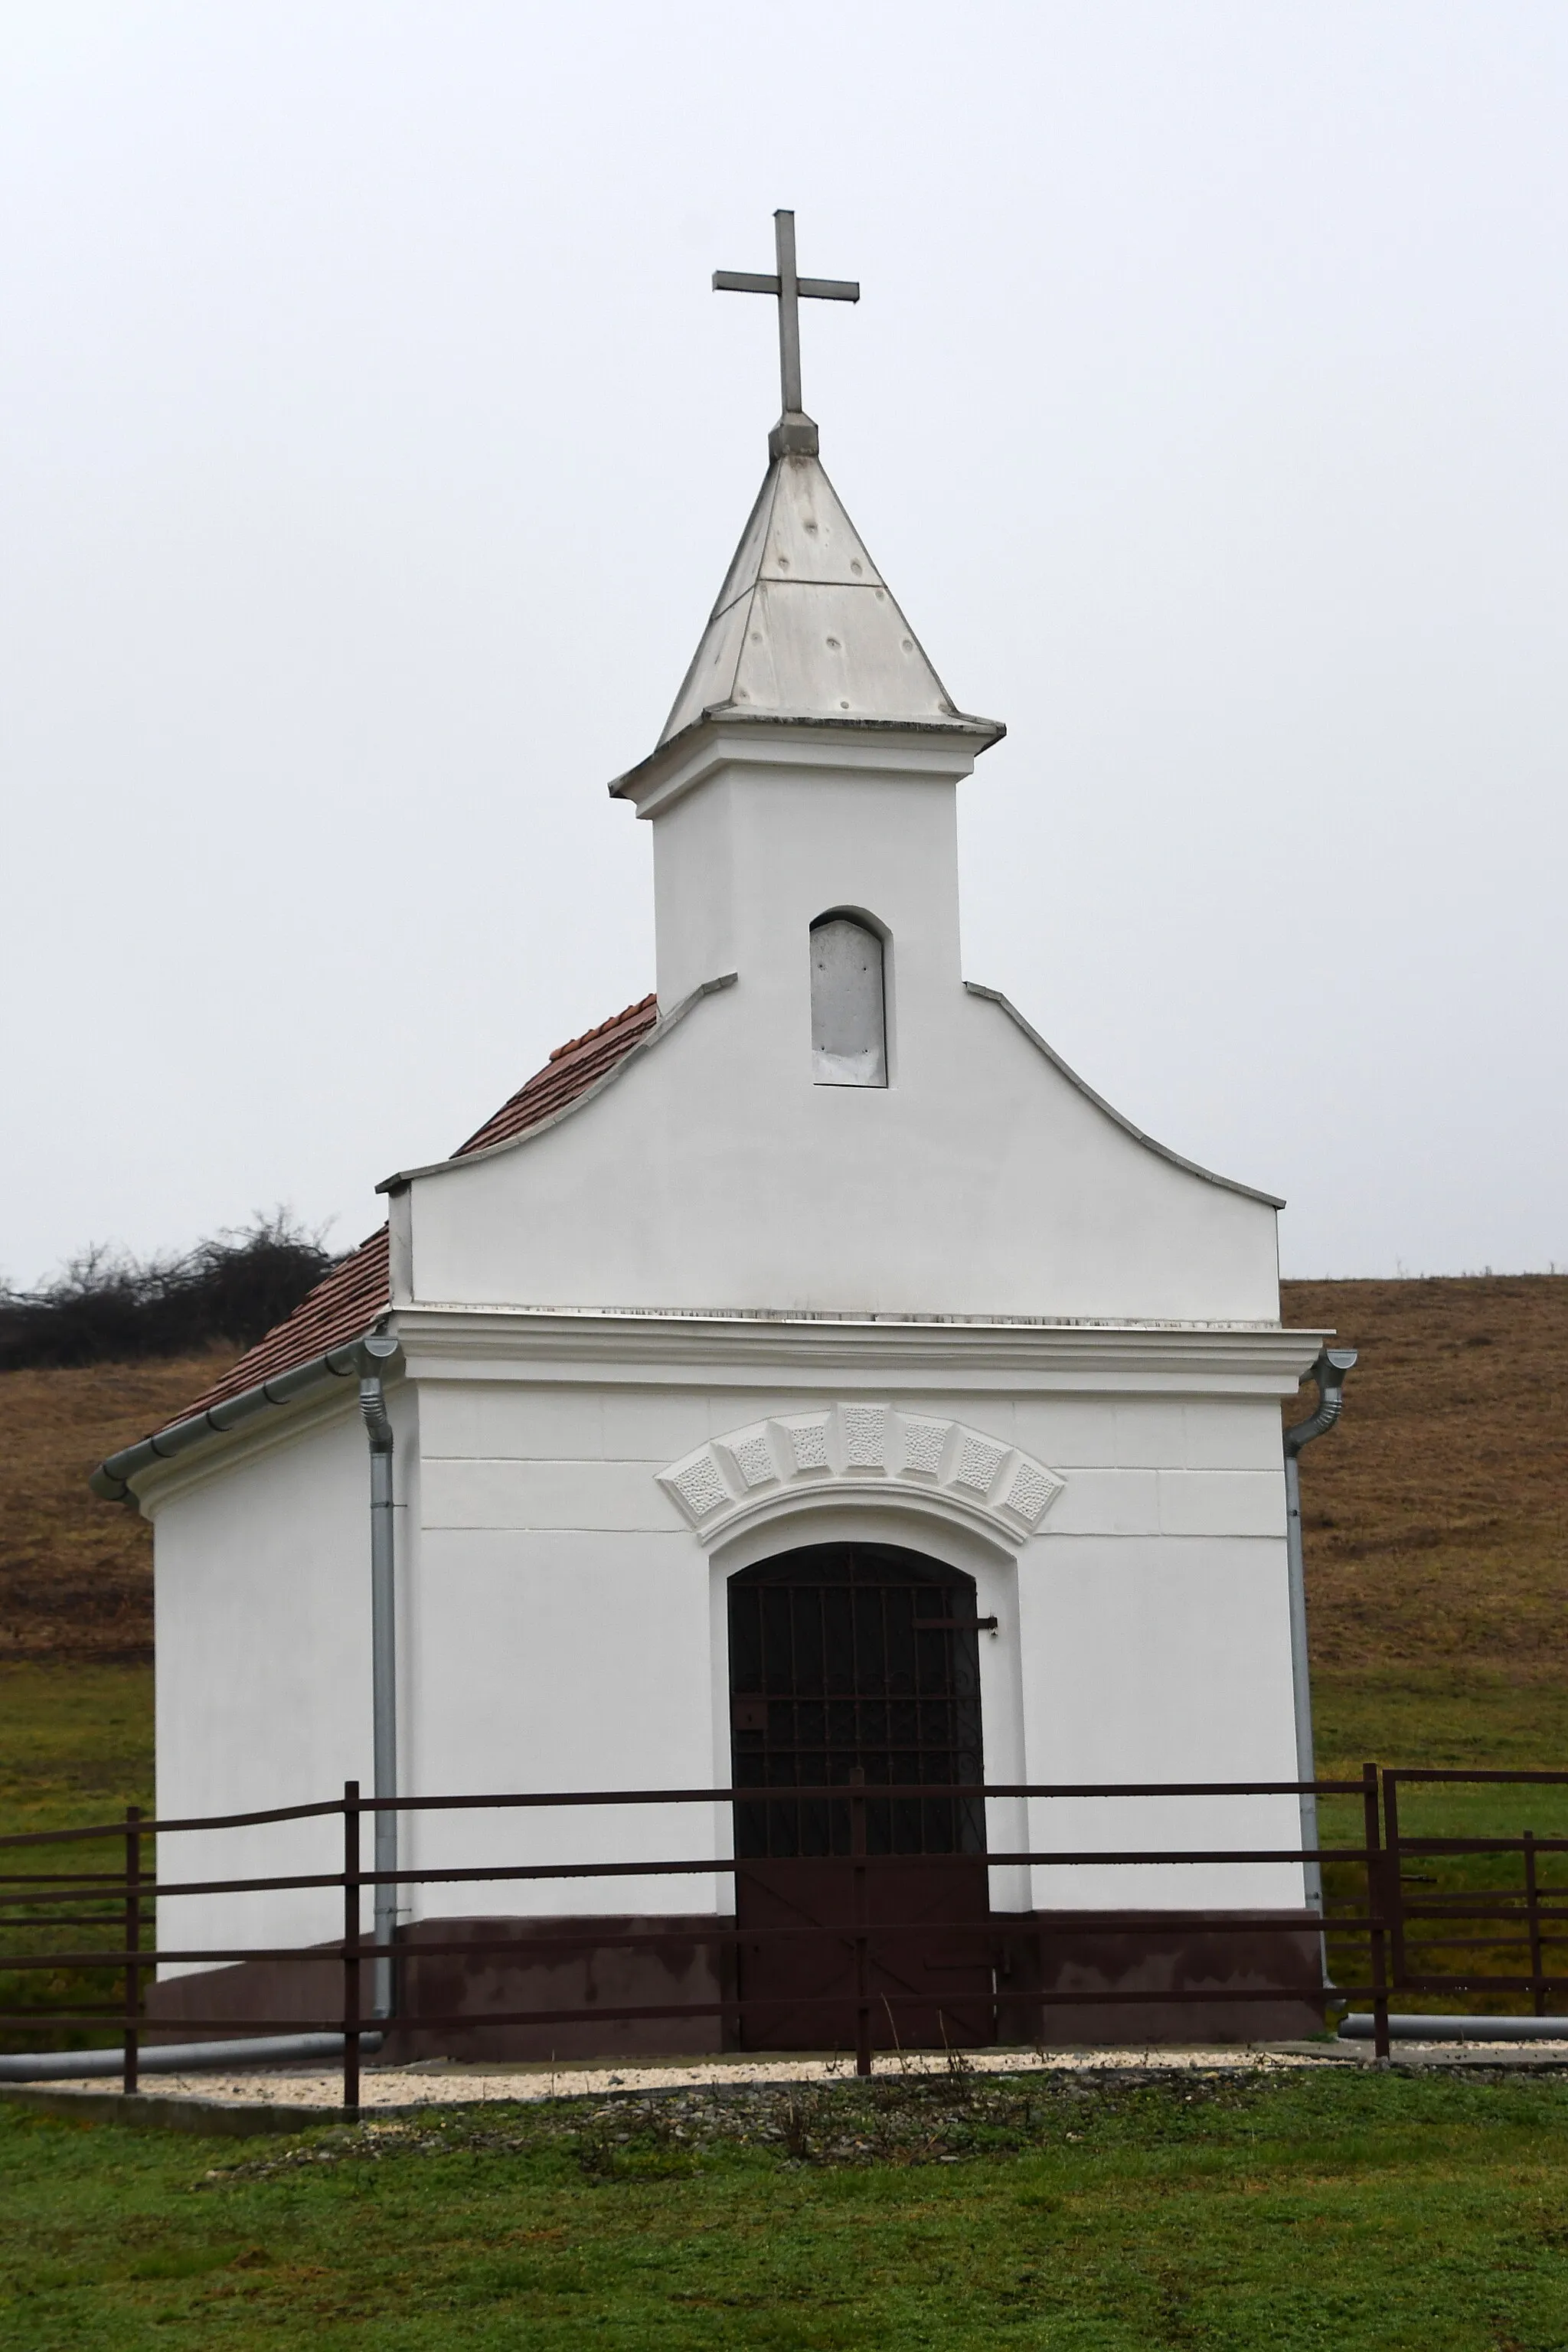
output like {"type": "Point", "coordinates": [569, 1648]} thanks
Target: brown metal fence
{"type": "Point", "coordinates": [1394, 1940]}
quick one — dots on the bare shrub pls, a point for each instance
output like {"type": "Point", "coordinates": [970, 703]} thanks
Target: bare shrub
{"type": "Point", "coordinates": [109, 1307]}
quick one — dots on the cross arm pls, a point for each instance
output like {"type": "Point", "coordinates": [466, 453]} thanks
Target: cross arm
{"type": "Point", "coordinates": [819, 290]}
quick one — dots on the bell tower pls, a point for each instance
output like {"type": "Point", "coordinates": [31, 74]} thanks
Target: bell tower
{"type": "Point", "coordinates": [807, 771]}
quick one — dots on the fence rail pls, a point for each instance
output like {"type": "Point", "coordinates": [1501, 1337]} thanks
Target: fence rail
{"type": "Point", "coordinates": [1400, 1940]}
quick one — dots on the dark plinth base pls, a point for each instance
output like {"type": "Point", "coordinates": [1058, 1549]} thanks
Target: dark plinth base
{"type": "Point", "coordinates": [1141, 1958]}
{"type": "Point", "coordinates": [1046, 1976]}
{"type": "Point", "coordinates": [258, 1996]}
{"type": "Point", "coordinates": [575, 1969]}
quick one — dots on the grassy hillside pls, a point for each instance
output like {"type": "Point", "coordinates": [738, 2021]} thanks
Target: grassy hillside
{"type": "Point", "coordinates": [1435, 1518]}
{"type": "Point", "coordinates": [76, 1592]}
{"type": "Point", "coordinates": [1435, 1523]}
{"type": "Point", "coordinates": [76, 1575]}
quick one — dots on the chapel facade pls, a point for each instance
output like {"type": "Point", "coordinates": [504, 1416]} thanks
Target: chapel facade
{"type": "Point", "coordinates": [804, 1374]}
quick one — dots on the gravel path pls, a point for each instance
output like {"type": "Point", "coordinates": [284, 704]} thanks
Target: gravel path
{"type": "Point", "coordinates": [441, 2083]}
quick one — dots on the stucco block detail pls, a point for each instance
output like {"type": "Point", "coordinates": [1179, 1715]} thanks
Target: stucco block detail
{"type": "Point", "coordinates": [750, 1458]}
{"type": "Point", "coordinates": [979, 1459]}
{"type": "Point", "coordinates": [862, 1449]}
{"type": "Point", "coordinates": [863, 1430]}
{"type": "Point", "coordinates": [700, 1488]}
{"type": "Point", "coordinates": [1030, 1494]}
{"type": "Point", "coordinates": [807, 1440]}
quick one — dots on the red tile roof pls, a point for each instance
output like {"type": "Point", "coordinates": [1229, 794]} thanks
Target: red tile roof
{"type": "Point", "coordinates": [571, 1070]}
{"type": "Point", "coordinates": [345, 1305]}
{"type": "Point", "coordinates": [341, 1307]}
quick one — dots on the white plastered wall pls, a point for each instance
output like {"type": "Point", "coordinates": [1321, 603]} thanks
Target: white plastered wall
{"type": "Point", "coordinates": [569, 1632]}
{"type": "Point", "coordinates": [262, 1606]}
{"type": "Point", "coordinates": [562, 1628]}
{"type": "Point", "coordinates": [712, 1172]}
{"type": "Point", "coordinates": [1155, 1647]}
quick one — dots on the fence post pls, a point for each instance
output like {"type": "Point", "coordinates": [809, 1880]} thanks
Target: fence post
{"type": "Point", "coordinates": [130, 2075]}
{"type": "Point", "coordinates": [1393, 1879]}
{"type": "Point", "coordinates": [1533, 1904]}
{"type": "Point", "coordinates": [1374, 1903]}
{"type": "Point", "coordinates": [351, 1947]}
{"type": "Point", "coordinates": [862, 1907]}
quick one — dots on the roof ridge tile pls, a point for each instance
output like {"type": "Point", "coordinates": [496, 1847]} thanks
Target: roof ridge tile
{"type": "Point", "coordinates": [558, 1052]}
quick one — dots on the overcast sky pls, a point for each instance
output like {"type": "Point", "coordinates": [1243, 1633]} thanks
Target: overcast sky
{"type": "Point", "coordinates": [374, 448]}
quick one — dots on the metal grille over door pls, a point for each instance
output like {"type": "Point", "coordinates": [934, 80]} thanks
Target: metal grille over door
{"type": "Point", "coordinates": [851, 1660]}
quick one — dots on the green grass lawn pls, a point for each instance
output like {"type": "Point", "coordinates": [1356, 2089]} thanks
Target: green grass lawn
{"type": "Point", "coordinates": [1450, 1714]}
{"type": "Point", "coordinates": [76, 1748]}
{"type": "Point", "coordinates": [1464, 1719]}
{"type": "Point", "coordinates": [1345, 2211]}
{"type": "Point", "coordinates": [75, 1742]}
{"type": "Point", "coordinates": [1349, 2210]}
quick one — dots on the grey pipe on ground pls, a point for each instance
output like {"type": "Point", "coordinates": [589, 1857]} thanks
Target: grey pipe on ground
{"type": "Point", "coordinates": [178, 2057]}
{"type": "Point", "coordinates": [1360, 2026]}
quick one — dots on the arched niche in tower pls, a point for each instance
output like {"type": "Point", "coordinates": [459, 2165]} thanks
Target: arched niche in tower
{"type": "Point", "coordinates": [848, 1003]}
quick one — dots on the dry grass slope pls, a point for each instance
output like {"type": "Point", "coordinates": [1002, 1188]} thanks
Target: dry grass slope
{"type": "Point", "coordinates": [1436, 1516]}
{"type": "Point", "coordinates": [76, 1575]}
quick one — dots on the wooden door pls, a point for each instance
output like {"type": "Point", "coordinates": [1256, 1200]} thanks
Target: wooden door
{"type": "Point", "coordinates": [855, 1667]}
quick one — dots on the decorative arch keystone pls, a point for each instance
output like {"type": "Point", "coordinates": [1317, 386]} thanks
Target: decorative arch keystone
{"type": "Point", "coordinates": [862, 1449]}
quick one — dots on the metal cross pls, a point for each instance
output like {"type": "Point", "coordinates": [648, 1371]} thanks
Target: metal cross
{"type": "Point", "coordinates": [788, 287]}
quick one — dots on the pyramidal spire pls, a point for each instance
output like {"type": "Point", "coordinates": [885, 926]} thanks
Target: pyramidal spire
{"type": "Point", "coordinates": [806, 627]}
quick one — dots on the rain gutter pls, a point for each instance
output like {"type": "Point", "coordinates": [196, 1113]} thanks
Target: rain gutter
{"type": "Point", "coordinates": [1329, 1372]}
{"type": "Point", "coordinates": [378, 1350]}
{"type": "Point", "coordinates": [112, 1479]}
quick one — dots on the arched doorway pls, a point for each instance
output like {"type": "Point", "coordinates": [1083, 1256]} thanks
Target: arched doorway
{"type": "Point", "coordinates": [857, 1665]}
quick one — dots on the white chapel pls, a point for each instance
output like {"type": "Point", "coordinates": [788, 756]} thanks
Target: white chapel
{"type": "Point", "coordinates": [804, 1374]}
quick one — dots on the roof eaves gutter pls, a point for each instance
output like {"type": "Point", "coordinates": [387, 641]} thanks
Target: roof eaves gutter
{"type": "Point", "coordinates": [1330, 1372]}
{"type": "Point", "coordinates": [112, 1479]}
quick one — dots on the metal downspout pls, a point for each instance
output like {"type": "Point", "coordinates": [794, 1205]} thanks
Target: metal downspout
{"type": "Point", "coordinates": [378, 1348]}
{"type": "Point", "coordinates": [1329, 1372]}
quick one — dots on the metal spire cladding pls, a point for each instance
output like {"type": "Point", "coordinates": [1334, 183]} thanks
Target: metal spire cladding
{"type": "Point", "coordinates": [805, 625]}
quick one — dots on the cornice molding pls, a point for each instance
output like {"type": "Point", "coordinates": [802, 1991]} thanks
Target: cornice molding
{"type": "Point", "coordinates": [861, 1449]}
{"type": "Point", "coordinates": [800, 744]}
{"type": "Point", "coordinates": [454, 1341]}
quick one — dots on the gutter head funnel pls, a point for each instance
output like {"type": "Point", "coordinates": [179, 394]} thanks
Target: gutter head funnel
{"type": "Point", "coordinates": [1329, 1372]}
